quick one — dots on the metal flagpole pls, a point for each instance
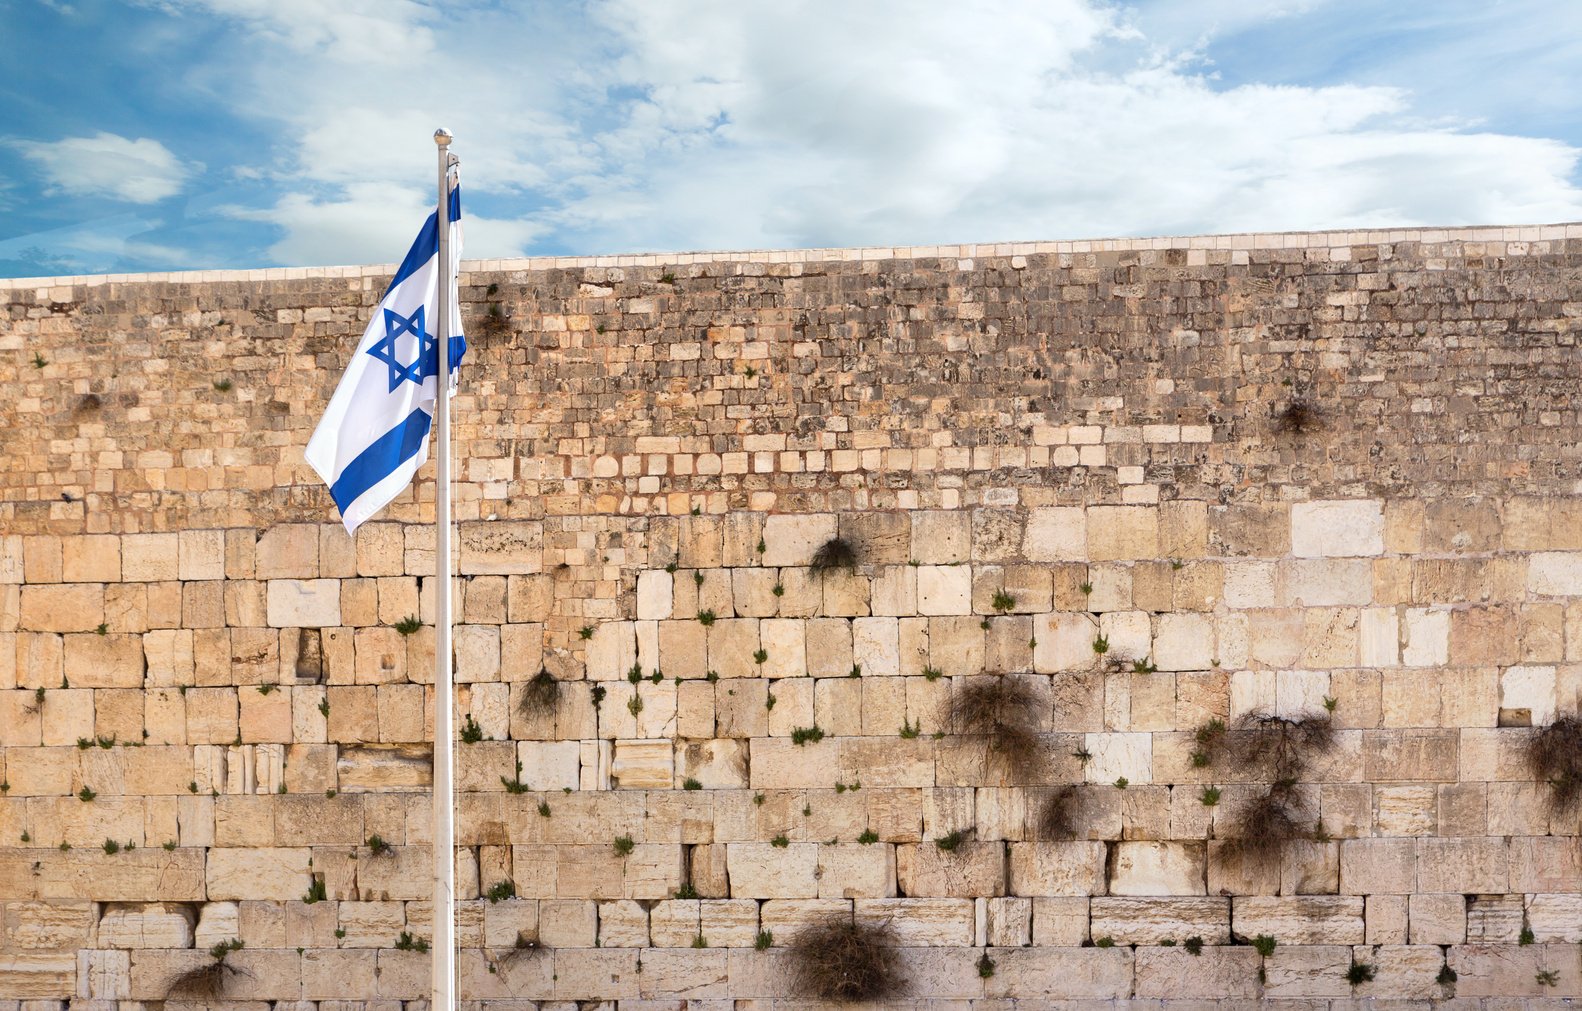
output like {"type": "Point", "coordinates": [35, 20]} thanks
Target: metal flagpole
{"type": "Point", "coordinates": [444, 950]}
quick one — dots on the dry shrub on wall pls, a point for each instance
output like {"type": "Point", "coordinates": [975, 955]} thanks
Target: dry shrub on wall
{"type": "Point", "coordinates": [842, 961]}
{"type": "Point", "coordinates": [1277, 748]}
{"type": "Point", "coordinates": [1298, 417]}
{"type": "Point", "coordinates": [1004, 709]}
{"type": "Point", "coordinates": [1265, 825]}
{"type": "Point", "coordinates": [1554, 756]}
{"type": "Point", "coordinates": [540, 693]}
{"type": "Point", "coordinates": [835, 553]}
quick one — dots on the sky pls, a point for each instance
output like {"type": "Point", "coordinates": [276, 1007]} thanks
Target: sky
{"type": "Point", "coordinates": [199, 134]}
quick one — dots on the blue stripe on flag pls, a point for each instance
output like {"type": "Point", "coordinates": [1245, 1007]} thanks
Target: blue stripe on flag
{"type": "Point", "coordinates": [424, 249]}
{"type": "Point", "coordinates": [426, 246]}
{"type": "Point", "coordinates": [380, 459]}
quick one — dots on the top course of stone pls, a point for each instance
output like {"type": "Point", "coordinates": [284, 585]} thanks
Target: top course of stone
{"type": "Point", "coordinates": [1194, 244]}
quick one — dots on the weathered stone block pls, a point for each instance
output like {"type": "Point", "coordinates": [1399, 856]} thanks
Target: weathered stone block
{"type": "Point", "coordinates": [1340, 528]}
{"type": "Point", "coordinates": [1056, 868]}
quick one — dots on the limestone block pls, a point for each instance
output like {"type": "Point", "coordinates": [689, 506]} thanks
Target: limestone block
{"type": "Point", "coordinates": [973, 869]}
{"type": "Point", "coordinates": [1060, 921]}
{"type": "Point", "coordinates": [674, 924]}
{"type": "Point", "coordinates": [623, 923]}
{"type": "Point", "coordinates": [683, 648]}
{"type": "Point", "coordinates": [1184, 642]}
{"type": "Point", "coordinates": [1122, 532]}
{"type": "Point", "coordinates": [1461, 865]}
{"type": "Point", "coordinates": [1527, 696]}
{"type": "Point", "coordinates": [1373, 866]}
{"type": "Point", "coordinates": [1307, 971]}
{"type": "Point", "coordinates": [643, 765]}
{"type": "Point", "coordinates": [610, 653]}
{"type": "Point", "coordinates": [258, 873]}
{"type": "Point", "coordinates": [42, 926]}
{"type": "Point", "coordinates": [477, 653]}
{"type": "Point", "coordinates": [1545, 864]}
{"type": "Point", "coordinates": [39, 974]}
{"type": "Point", "coordinates": [876, 646]}
{"type": "Point", "coordinates": [920, 922]}
{"type": "Point", "coordinates": [786, 919]}
{"type": "Point", "coordinates": [912, 634]}
{"type": "Point", "coordinates": [1324, 582]}
{"type": "Point", "coordinates": [941, 537]}
{"type": "Point", "coordinates": [1176, 975]}
{"type": "Point", "coordinates": [785, 642]}
{"type": "Point", "coordinates": [802, 593]}
{"type": "Point", "coordinates": [655, 594]}
{"type": "Point", "coordinates": [1149, 921]}
{"type": "Point", "coordinates": [1410, 755]}
{"type": "Point", "coordinates": [837, 705]}
{"type": "Point", "coordinates": [1555, 574]}
{"type": "Point", "coordinates": [1249, 584]}
{"type": "Point", "coordinates": [147, 558]}
{"type": "Point", "coordinates": [1128, 755]}
{"type": "Point", "coordinates": [304, 603]}
{"type": "Point", "coordinates": [95, 558]}
{"type": "Point", "coordinates": [501, 547]}
{"type": "Point", "coordinates": [1063, 973]}
{"type": "Point", "coordinates": [728, 922]}
{"type": "Point", "coordinates": [1056, 868]}
{"type": "Point", "coordinates": [741, 533]}
{"type": "Point", "coordinates": [944, 589]}
{"type": "Point", "coordinates": [1380, 637]}
{"type": "Point", "coordinates": [217, 921]}
{"type": "Point", "coordinates": [792, 539]}
{"type": "Point", "coordinates": [1008, 922]}
{"type": "Point", "coordinates": [1436, 919]}
{"type": "Point", "coordinates": [1065, 641]}
{"type": "Point", "coordinates": [716, 764]}
{"type": "Point", "coordinates": [731, 644]}
{"type": "Point", "coordinates": [752, 592]}
{"type": "Point", "coordinates": [62, 607]}
{"type": "Point", "coordinates": [846, 593]}
{"type": "Point", "coordinates": [1425, 637]}
{"type": "Point", "coordinates": [549, 765]}
{"type": "Point", "coordinates": [777, 763]}
{"type": "Point", "coordinates": [956, 645]}
{"type": "Point", "coordinates": [1299, 919]}
{"type": "Point", "coordinates": [855, 871]}
{"type": "Point", "coordinates": [1130, 635]}
{"type": "Point", "coordinates": [1157, 868]}
{"type": "Point", "coordinates": [1555, 919]}
{"type": "Point", "coordinates": [829, 647]}
{"type": "Point", "coordinates": [894, 591]}
{"type": "Point", "coordinates": [1056, 534]}
{"type": "Point", "coordinates": [793, 708]}
{"type": "Point", "coordinates": [383, 767]}
{"type": "Point", "coordinates": [1337, 528]}
{"type": "Point", "coordinates": [285, 551]}
{"type": "Point", "coordinates": [766, 871]}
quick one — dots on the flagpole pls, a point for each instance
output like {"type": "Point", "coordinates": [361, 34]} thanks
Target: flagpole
{"type": "Point", "coordinates": [444, 949]}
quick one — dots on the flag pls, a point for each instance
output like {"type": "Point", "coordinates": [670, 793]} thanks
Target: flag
{"type": "Point", "coordinates": [374, 434]}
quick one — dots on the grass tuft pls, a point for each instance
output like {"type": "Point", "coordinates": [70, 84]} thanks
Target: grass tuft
{"type": "Point", "coordinates": [540, 693]}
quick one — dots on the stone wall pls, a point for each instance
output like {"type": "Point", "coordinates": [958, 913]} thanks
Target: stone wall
{"type": "Point", "coordinates": [1147, 486]}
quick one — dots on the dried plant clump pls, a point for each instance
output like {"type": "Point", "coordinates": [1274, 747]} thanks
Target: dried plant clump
{"type": "Point", "coordinates": [1265, 826]}
{"type": "Point", "coordinates": [540, 693]}
{"type": "Point", "coordinates": [842, 961]}
{"type": "Point", "coordinates": [1297, 418]}
{"type": "Point", "coordinates": [208, 981]}
{"type": "Point", "coordinates": [1554, 756]}
{"type": "Point", "coordinates": [527, 947]}
{"type": "Point", "coordinates": [835, 553]}
{"type": "Point", "coordinates": [1060, 814]}
{"type": "Point", "coordinates": [1005, 710]}
{"type": "Point", "coordinates": [1278, 749]}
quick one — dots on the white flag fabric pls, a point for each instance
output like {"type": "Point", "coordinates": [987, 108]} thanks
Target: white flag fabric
{"type": "Point", "coordinates": [374, 434]}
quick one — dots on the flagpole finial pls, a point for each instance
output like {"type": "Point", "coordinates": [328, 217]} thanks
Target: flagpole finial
{"type": "Point", "coordinates": [442, 136]}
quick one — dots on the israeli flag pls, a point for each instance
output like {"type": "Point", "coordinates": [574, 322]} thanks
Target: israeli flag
{"type": "Point", "coordinates": [374, 434]}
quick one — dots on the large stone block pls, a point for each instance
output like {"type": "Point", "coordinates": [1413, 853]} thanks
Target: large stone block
{"type": "Point", "coordinates": [1157, 868]}
{"type": "Point", "coordinates": [1299, 919]}
{"type": "Point", "coordinates": [501, 547]}
{"type": "Point", "coordinates": [1057, 868]}
{"type": "Point", "coordinates": [258, 873]}
{"type": "Point", "coordinates": [1155, 919]}
{"type": "Point", "coordinates": [1338, 528]}
{"type": "Point", "coordinates": [791, 540]}
{"type": "Point", "coordinates": [1122, 532]}
{"type": "Point", "coordinates": [304, 603]}
{"type": "Point", "coordinates": [1056, 534]}
{"type": "Point", "coordinates": [767, 871]}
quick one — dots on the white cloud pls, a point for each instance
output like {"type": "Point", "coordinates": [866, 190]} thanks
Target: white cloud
{"type": "Point", "coordinates": [372, 223]}
{"type": "Point", "coordinates": [140, 171]}
{"type": "Point", "coordinates": [630, 125]}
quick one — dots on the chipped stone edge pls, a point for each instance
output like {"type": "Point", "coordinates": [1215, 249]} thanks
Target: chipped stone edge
{"type": "Point", "coordinates": [1237, 242]}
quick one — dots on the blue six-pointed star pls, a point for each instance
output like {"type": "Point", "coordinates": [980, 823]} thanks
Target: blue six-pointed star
{"type": "Point", "coordinates": [427, 361]}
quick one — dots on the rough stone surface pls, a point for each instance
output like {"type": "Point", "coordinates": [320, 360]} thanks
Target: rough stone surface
{"type": "Point", "coordinates": [1071, 462]}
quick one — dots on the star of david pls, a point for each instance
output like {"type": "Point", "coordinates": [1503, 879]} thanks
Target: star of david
{"type": "Point", "coordinates": [427, 361]}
